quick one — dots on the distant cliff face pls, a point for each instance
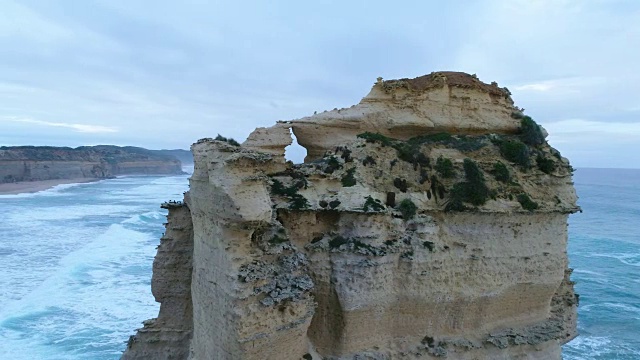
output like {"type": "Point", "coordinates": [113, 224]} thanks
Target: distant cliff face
{"type": "Point", "coordinates": [428, 221]}
{"type": "Point", "coordinates": [31, 163]}
{"type": "Point", "coordinates": [185, 156]}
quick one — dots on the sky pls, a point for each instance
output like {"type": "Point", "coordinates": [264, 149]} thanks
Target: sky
{"type": "Point", "coordinates": [162, 74]}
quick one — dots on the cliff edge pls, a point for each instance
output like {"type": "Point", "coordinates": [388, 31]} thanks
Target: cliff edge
{"type": "Point", "coordinates": [428, 221]}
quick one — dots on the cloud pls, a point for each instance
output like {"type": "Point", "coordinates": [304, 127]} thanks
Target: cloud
{"type": "Point", "coordinates": [82, 128]}
{"type": "Point", "coordinates": [163, 74]}
{"type": "Point", "coordinates": [573, 85]}
{"type": "Point", "coordinates": [589, 143]}
{"type": "Point", "coordinates": [581, 126]}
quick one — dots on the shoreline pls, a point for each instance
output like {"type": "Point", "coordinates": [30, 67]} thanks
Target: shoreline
{"type": "Point", "coordinates": [40, 185]}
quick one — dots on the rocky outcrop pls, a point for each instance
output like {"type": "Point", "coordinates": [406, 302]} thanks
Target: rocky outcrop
{"type": "Point", "coordinates": [429, 223]}
{"type": "Point", "coordinates": [439, 102]}
{"type": "Point", "coordinates": [33, 163]}
{"type": "Point", "coordinates": [168, 335]}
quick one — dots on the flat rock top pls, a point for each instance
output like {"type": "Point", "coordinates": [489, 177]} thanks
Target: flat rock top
{"type": "Point", "coordinates": [440, 78]}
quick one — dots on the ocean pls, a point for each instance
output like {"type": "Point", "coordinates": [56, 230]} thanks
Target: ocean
{"type": "Point", "coordinates": [75, 266]}
{"type": "Point", "coordinates": [604, 250]}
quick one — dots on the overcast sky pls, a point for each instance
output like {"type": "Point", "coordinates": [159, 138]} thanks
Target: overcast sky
{"type": "Point", "coordinates": [162, 74]}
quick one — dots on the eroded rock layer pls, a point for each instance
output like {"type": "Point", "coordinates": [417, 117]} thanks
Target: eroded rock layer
{"type": "Point", "coordinates": [419, 227]}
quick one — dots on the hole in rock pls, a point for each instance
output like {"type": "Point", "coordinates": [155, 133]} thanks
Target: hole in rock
{"type": "Point", "coordinates": [295, 152]}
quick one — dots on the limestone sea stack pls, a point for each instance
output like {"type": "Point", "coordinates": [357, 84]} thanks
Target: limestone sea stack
{"type": "Point", "coordinates": [428, 221]}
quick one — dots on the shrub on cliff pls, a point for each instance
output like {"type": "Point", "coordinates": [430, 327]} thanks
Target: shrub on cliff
{"type": "Point", "coordinates": [516, 152]}
{"type": "Point", "coordinates": [332, 165]}
{"type": "Point", "coordinates": [530, 131]}
{"type": "Point", "coordinates": [227, 140]}
{"type": "Point", "coordinates": [407, 208]}
{"type": "Point", "coordinates": [545, 165]}
{"type": "Point", "coordinates": [279, 189]}
{"type": "Point", "coordinates": [372, 205]}
{"type": "Point", "coordinates": [444, 167]}
{"type": "Point", "coordinates": [526, 202]}
{"type": "Point", "coordinates": [411, 153]}
{"type": "Point", "coordinates": [473, 190]}
{"type": "Point", "coordinates": [500, 172]}
{"type": "Point", "coordinates": [349, 179]}
{"type": "Point", "coordinates": [298, 202]}
{"type": "Point", "coordinates": [472, 172]}
{"type": "Point", "coordinates": [376, 138]}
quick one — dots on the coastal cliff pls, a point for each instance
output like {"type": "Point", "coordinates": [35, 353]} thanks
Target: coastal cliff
{"type": "Point", "coordinates": [428, 221]}
{"type": "Point", "coordinates": [35, 163]}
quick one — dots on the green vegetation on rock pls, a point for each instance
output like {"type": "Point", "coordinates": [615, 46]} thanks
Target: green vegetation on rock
{"type": "Point", "coordinates": [526, 202]}
{"type": "Point", "coordinates": [500, 172]}
{"type": "Point", "coordinates": [349, 179]}
{"type": "Point", "coordinates": [376, 138]}
{"type": "Point", "coordinates": [332, 165]}
{"type": "Point", "coordinates": [373, 205]}
{"type": "Point", "coordinates": [545, 165]}
{"type": "Point", "coordinates": [515, 151]}
{"type": "Point", "coordinates": [445, 167]}
{"type": "Point", "coordinates": [296, 201]}
{"type": "Point", "coordinates": [530, 131]}
{"type": "Point", "coordinates": [407, 208]}
{"type": "Point", "coordinates": [227, 140]}
{"type": "Point", "coordinates": [337, 241]}
{"type": "Point", "coordinates": [473, 190]}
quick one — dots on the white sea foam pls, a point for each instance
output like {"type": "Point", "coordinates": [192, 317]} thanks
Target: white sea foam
{"type": "Point", "coordinates": [619, 308]}
{"type": "Point", "coordinates": [592, 345]}
{"type": "Point", "coordinates": [583, 271]}
{"type": "Point", "coordinates": [70, 212]}
{"type": "Point", "coordinates": [93, 290]}
{"type": "Point", "coordinates": [56, 190]}
{"type": "Point", "coordinates": [632, 259]}
{"type": "Point", "coordinates": [145, 218]}
{"type": "Point", "coordinates": [76, 268]}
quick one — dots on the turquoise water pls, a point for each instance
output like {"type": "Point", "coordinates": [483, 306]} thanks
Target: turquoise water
{"type": "Point", "coordinates": [604, 250]}
{"type": "Point", "coordinates": [75, 266]}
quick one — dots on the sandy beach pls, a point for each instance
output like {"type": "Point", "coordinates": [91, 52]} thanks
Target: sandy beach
{"type": "Point", "coordinates": [35, 186]}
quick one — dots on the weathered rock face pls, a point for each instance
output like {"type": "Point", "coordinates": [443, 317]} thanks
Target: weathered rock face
{"type": "Point", "coordinates": [32, 163]}
{"type": "Point", "coordinates": [168, 335]}
{"type": "Point", "coordinates": [438, 235]}
{"type": "Point", "coordinates": [439, 102]}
